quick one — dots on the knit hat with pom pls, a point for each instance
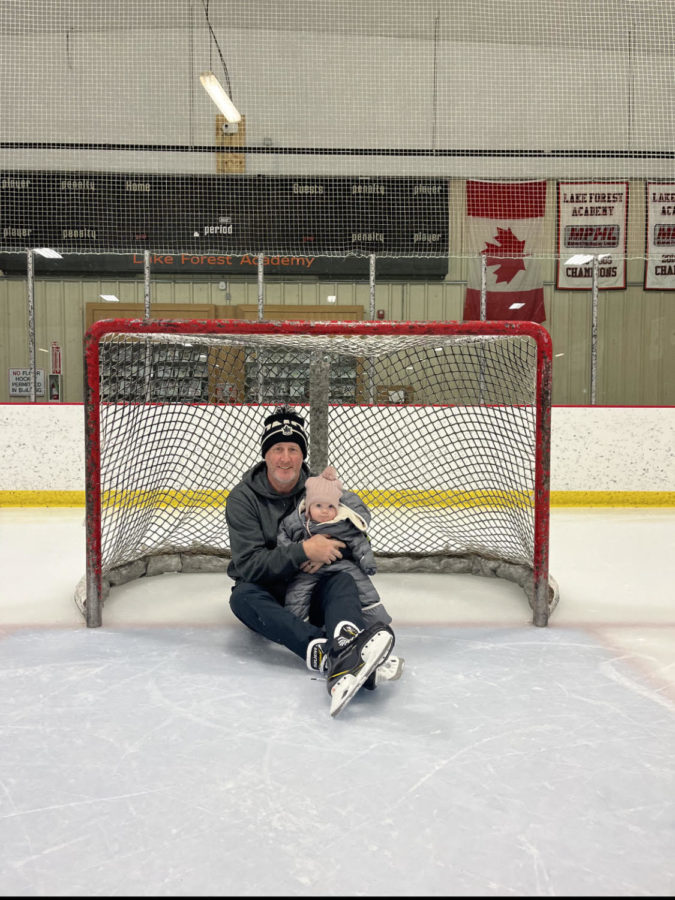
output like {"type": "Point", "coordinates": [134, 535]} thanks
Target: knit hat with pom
{"type": "Point", "coordinates": [284, 425]}
{"type": "Point", "coordinates": [322, 490]}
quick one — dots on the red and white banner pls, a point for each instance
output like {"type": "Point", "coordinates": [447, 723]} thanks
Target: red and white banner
{"type": "Point", "coordinates": [56, 358]}
{"type": "Point", "coordinates": [592, 220]}
{"type": "Point", "coordinates": [505, 226]}
{"type": "Point", "coordinates": [660, 250]}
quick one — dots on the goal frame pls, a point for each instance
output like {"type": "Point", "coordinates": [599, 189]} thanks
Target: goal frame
{"type": "Point", "coordinates": [541, 589]}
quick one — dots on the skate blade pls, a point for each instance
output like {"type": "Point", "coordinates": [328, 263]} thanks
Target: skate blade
{"type": "Point", "coordinates": [375, 652]}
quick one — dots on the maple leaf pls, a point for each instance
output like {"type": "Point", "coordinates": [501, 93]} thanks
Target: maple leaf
{"type": "Point", "coordinates": [506, 253]}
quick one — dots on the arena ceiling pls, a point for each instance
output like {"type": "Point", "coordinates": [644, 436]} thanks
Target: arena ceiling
{"type": "Point", "coordinates": [639, 25]}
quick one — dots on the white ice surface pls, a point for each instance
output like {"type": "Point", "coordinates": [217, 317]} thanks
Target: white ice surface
{"type": "Point", "coordinates": [173, 753]}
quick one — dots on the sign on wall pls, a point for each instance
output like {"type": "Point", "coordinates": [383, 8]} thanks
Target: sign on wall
{"type": "Point", "coordinates": [56, 358]}
{"type": "Point", "coordinates": [223, 265]}
{"type": "Point", "coordinates": [592, 221]}
{"type": "Point", "coordinates": [224, 215]}
{"type": "Point", "coordinates": [20, 383]}
{"type": "Point", "coordinates": [660, 237]}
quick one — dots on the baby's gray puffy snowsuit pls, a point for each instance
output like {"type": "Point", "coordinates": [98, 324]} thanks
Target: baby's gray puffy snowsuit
{"type": "Point", "coordinates": [349, 526]}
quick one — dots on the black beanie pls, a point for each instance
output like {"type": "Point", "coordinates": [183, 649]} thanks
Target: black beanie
{"type": "Point", "coordinates": [284, 425]}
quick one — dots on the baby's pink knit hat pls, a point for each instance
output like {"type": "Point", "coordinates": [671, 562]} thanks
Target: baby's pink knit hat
{"type": "Point", "coordinates": [322, 490]}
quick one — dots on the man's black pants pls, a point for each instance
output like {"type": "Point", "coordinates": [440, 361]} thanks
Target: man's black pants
{"type": "Point", "coordinates": [335, 598]}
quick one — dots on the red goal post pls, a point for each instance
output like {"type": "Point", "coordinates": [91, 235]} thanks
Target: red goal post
{"type": "Point", "coordinates": [443, 428]}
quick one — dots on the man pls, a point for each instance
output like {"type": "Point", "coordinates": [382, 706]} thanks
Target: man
{"type": "Point", "coordinates": [334, 640]}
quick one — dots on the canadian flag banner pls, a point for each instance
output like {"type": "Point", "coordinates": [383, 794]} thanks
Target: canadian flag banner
{"type": "Point", "coordinates": [660, 265]}
{"type": "Point", "coordinates": [505, 225]}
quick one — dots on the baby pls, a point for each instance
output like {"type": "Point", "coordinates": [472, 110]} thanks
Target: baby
{"type": "Point", "coordinates": [327, 509]}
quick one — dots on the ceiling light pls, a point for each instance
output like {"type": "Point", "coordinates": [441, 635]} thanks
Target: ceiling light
{"type": "Point", "coordinates": [110, 298]}
{"type": "Point", "coordinates": [217, 93]}
{"type": "Point", "coordinates": [48, 252]}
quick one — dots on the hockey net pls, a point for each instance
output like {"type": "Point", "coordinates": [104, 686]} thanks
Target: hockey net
{"type": "Point", "coordinates": [441, 428]}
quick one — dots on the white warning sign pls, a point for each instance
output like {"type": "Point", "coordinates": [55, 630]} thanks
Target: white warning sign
{"type": "Point", "coordinates": [20, 381]}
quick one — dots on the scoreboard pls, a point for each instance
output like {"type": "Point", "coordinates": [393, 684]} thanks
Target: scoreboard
{"type": "Point", "coordinates": [93, 213]}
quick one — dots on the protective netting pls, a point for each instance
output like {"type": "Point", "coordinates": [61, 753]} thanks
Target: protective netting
{"type": "Point", "coordinates": [357, 118]}
{"type": "Point", "coordinates": [445, 441]}
{"type": "Point", "coordinates": [438, 433]}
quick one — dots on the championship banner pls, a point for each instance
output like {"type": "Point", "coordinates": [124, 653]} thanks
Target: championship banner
{"type": "Point", "coordinates": [592, 221]}
{"type": "Point", "coordinates": [660, 250]}
{"type": "Point", "coordinates": [505, 225]}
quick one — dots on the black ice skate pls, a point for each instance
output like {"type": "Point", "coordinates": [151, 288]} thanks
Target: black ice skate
{"type": "Point", "coordinates": [353, 657]}
{"type": "Point", "coordinates": [317, 655]}
{"type": "Point", "coordinates": [390, 670]}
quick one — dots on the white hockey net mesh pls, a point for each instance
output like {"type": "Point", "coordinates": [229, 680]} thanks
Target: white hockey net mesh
{"type": "Point", "coordinates": [356, 117]}
{"type": "Point", "coordinates": [438, 433]}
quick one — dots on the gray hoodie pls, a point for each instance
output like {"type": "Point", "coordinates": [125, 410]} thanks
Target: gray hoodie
{"type": "Point", "coordinates": [253, 513]}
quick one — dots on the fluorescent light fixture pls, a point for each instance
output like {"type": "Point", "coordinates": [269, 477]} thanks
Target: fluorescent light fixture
{"type": "Point", "coordinates": [110, 298]}
{"type": "Point", "coordinates": [48, 252]}
{"type": "Point", "coordinates": [217, 93]}
{"type": "Point", "coordinates": [516, 306]}
{"type": "Point", "coordinates": [331, 298]}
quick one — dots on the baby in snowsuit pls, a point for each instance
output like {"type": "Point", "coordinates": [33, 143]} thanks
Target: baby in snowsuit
{"type": "Point", "coordinates": [327, 509]}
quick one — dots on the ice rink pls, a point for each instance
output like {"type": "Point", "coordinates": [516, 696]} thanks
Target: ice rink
{"type": "Point", "coordinates": [172, 752]}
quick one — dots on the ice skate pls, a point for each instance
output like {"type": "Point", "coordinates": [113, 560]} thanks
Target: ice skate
{"type": "Point", "coordinates": [317, 655]}
{"type": "Point", "coordinates": [354, 656]}
{"type": "Point", "coordinates": [390, 670]}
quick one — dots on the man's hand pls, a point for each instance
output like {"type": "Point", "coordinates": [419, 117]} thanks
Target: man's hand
{"type": "Point", "coordinates": [322, 549]}
{"type": "Point", "coordinates": [310, 568]}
